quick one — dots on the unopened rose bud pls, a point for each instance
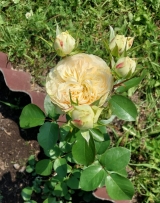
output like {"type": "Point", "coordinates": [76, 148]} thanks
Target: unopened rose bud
{"type": "Point", "coordinates": [64, 44]}
{"type": "Point", "coordinates": [122, 42]}
{"type": "Point", "coordinates": [85, 116]}
{"type": "Point", "coordinates": [125, 66]}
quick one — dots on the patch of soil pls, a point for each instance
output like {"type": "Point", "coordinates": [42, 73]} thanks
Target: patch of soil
{"type": "Point", "coordinates": [16, 145]}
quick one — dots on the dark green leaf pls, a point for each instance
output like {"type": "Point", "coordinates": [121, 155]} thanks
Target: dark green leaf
{"type": "Point", "coordinates": [44, 167]}
{"type": "Point", "coordinates": [26, 193]}
{"type": "Point", "coordinates": [53, 153]}
{"type": "Point", "coordinates": [65, 147]}
{"type": "Point", "coordinates": [83, 152]}
{"type": "Point", "coordinates": [50, 200]}
{"type": "Point", "coordinates": [69, 157]}
{"type": "Point", "coordinates": [57, 178]}
{"type": "Point", "coordinates": [91, 177]}
{"type": "Point", "coordinates": [31, 116]}
{"type": "Point", "coordinates": [31, 201]}
{"type": "Point", "coordinates": [73, 182]}
{"type": "Point", "coordinates": [60, 166]}
{"type": "Point", "coordinates": [48, 135]}
{"type": "Point", "coordinates": [115, 159]}
{"type": "Point", "coordinates": [123, 108]}
{"type": "Point", "coordinates": [64, 130]}
{"type": "Point", "coordinates": [31, 160]}
{"type": "Point", "coordinates": [119, 188]}
{"type": "Point", "coordinates": [61, 189]}
{"type": "Point", "coordinates": [101, 147]}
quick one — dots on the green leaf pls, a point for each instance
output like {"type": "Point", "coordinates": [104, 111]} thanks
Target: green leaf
{"type": "Point", "coordinates": [49, 107]}
{"type": "Point", "coordinates": [127, 85]}
{"type": "Point", "coordinates": [65, 147]}
{"type": "Point", "coordinates": [83, 152]}
{"type": "Point", "coordinates": [69, 158]}
{"type": "Point", "coordinates": [26, 193]}
{"type": "Point", "coordinates": [31, 116]}
{"type": "Point", "coordinates": [31, 160]}
{"type": "Point", "coordinates": [64, 130]}
{"type": "Point", "coordinates": [103, 182]}
{"type": "Point", "coordinates": [56, 178]}
{"type": "Point", "coordinates": [60, 166]}
{"type": "Point", "coordinates": [119, 188]}
{"type": "Point", "coordinates": [44, 167]}
{"type": "Point", "coordinates": [48, 135]}
{"type": "Point", "coordinates": [53, 153]}
{"type": "Point", "coordinates": [50, 200]}
{"type": "Point", "coordinates": [97, 135]}
{"type": "Point", "coordinates": [31, 201]}
{"type": "Point", "coordinates": [86, 135]}
{"type": "Point", "coordinates": [123, 108]}
{"type": "Point", "coordinates": [61, 189]}
{"type": "Point", "coordinates": [101, 147]}
{"type": "Point", "coordinates": [115, 159]}
{"type": "Point", "coordinates": [122, 172]}
{"type": "Point", "coordinates": [73, 182]}
{"type": "Point", "coordinates": [91, 177]}
{"type": "Point", "coordinates": [29, 169]}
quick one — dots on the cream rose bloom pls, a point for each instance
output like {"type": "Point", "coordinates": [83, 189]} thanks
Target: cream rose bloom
{"type": "Point", "coordinates": [85, 77]}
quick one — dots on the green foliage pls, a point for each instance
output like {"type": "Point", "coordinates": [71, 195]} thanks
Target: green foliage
{"type": "Point", "coordinates": [44, 167]}
{"type": "Point", "coordinates": [83, 151]}
{"type": "Point", "coordinates": [48, 135]}
{"type": "Point", "coordinates": [115, 159]}
{"type": "Point", "coordinates": [123, 108]}
{"type": "Point", "coordinates": [93, 176]}
{"type": "Point", "coordinates": [50, 109]}
{"type": "Point", "coordinates": [60, 167]}
{"type": "Point", "coordinates": [123, 187]}
{"type": "Point", "coordinates": [31, 116]}
{"type": "Point", "coordinates": [26, 193]}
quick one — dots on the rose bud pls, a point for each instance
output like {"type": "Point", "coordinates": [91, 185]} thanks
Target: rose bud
{"type": "Point", "coordinates": [122, 42]}
{"type": "Point", "coordinates": [125, 66]}
{"type": "Point", "coordinates": [85, 116]}
{"type": "Point", "coordinates": [64, 44]}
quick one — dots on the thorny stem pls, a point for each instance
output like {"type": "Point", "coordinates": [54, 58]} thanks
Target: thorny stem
{"type": "Point", "coordinates": [119, 84]}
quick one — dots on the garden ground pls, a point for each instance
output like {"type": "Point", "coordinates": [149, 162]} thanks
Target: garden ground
{"type": "Point", "coordinates": [15, 147]}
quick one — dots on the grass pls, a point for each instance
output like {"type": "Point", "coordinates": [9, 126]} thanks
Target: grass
{"type": "Point", "coordinates": [29, 44]}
